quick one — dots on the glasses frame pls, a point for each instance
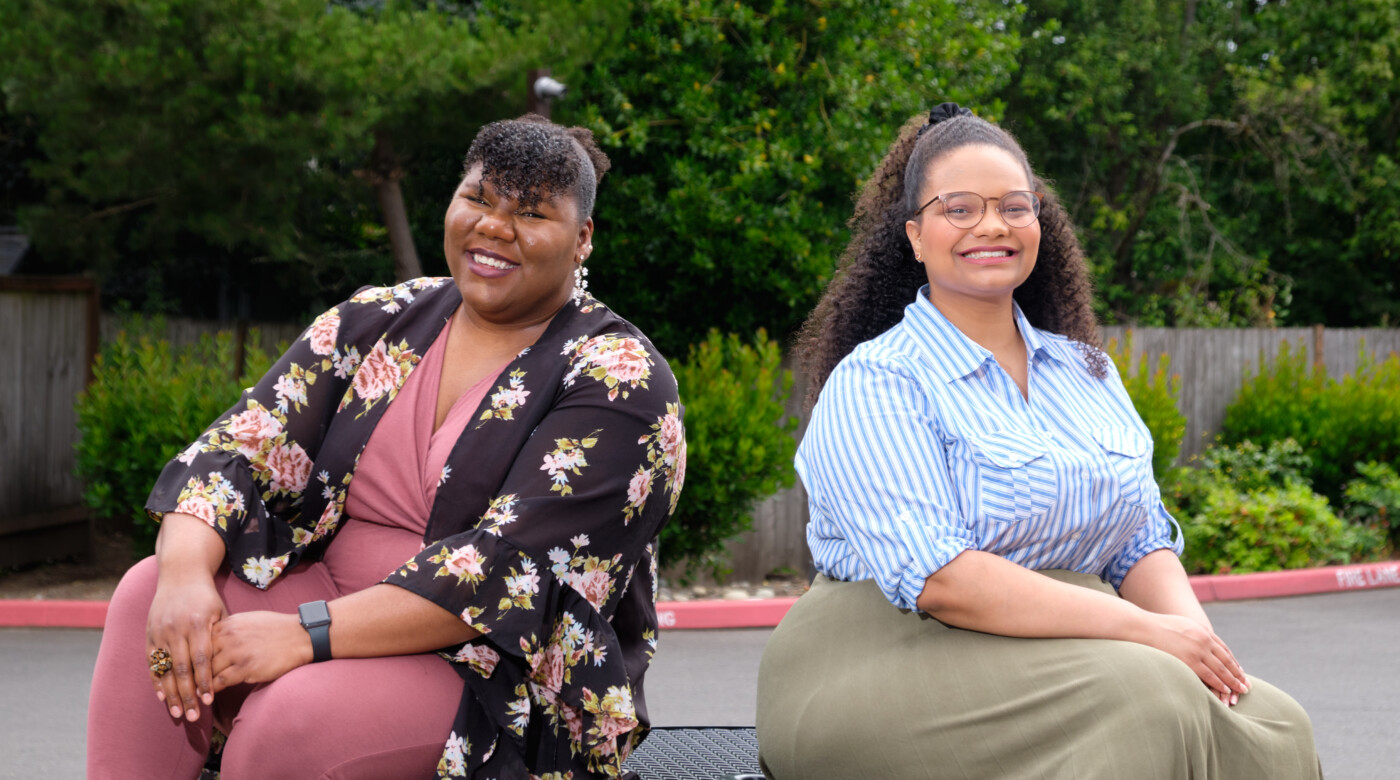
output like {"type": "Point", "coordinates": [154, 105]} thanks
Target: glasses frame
{"type": "Point", "coordinates": [1039, 199]}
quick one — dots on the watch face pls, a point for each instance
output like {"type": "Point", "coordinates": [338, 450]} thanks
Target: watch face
{"type": "Point", "coordinates": [314, 613]}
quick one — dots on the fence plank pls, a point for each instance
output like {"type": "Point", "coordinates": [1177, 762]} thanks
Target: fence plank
{"type": "Point", "coordinates": [44, 337]}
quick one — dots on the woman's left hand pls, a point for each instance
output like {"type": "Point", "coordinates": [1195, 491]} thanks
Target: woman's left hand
{"type": "Point", "coordinates": [258, 647]}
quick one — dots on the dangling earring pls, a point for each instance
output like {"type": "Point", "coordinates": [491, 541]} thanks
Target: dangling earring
{"type": "Point", "coordinates": [580, 281]}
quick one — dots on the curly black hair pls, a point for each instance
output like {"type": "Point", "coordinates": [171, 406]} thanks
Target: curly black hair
{"type": "Point", "coordinates": [877, 275]}
{"type": "Point", "coordinates": [531, 159]}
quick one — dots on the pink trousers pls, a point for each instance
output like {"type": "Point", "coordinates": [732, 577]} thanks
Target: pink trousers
{"type": "Point", "coordinates": [337, 720]}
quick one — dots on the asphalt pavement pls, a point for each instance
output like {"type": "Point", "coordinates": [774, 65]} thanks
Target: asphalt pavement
{"type": "Point", "coordinates": [1338, 654]}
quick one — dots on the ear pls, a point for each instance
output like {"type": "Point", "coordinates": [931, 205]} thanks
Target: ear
{"type": "Point", "coordinates": [914, 230]}
{"type": "Point", "coordinates": [585, 241]}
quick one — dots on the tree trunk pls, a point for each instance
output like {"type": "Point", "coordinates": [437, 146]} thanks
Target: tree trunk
{"type": "Point", "coordinates": [385, 178]}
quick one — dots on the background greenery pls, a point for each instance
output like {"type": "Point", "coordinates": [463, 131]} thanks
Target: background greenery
{"type": "Point", "coordinates": [1227, 162]}
{"type": "Point", "coordinates": [147, 401]}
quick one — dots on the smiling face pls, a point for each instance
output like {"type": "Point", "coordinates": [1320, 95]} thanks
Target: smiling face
{"type": "Point", "coordinates": [514, 264]}
{"type": "Point", "coordinates": [988, 261]}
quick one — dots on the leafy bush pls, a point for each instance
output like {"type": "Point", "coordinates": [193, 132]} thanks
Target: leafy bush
{"type": "Point", "coordinates": [1373, 498]}
{"type": "Point", "coordinates": [1338, 423]}
{"type": "Point", "coordinates": [1249, 508]}
{"type": "Point", "coordinates": [739, 443]}
{"type": "Point", "coordinates": [1154, 394]}
{"type": "Point", "coordinates": [1272, 528]}
{"type": "Point", "coordinates": [146, 402]}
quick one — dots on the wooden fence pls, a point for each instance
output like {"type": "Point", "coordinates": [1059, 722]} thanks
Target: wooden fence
{"type": "Point", "coordinates": [1211, 365]}
{"type": "Point", "coordinates": [47, 337]}
{"type": "Point", "coordinates": [50, 331]}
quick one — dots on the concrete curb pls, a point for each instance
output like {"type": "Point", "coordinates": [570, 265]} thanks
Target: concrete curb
{"type": "Point", "coordinates": [765, 613]}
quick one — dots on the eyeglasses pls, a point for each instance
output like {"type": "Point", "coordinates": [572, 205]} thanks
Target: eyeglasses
{"type": "Point", "coordinates": [965, 210]}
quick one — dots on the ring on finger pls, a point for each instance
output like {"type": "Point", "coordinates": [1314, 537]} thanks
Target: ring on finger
{"type": "Point", "coordinates": [160, 662]}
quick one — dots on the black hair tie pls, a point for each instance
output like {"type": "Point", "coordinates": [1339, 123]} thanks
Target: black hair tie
{"type": "Point", "coordinates": [943, 112]}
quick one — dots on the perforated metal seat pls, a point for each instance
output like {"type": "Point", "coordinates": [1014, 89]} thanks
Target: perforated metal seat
{"type": "Point", "coordinates": [711, 753]}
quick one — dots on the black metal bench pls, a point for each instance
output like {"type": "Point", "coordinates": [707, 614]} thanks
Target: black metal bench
{"type": "Point", "coordinates": [710, 753]}
{"type": "Point", "coordinates": [707, 753]}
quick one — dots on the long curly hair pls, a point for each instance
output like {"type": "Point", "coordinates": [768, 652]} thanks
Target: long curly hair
{"type": "Point", "coordinates": [877, 276]}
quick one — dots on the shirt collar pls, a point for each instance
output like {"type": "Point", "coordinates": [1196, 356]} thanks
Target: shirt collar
{"type": "Point", "coordinates": [954, 354]}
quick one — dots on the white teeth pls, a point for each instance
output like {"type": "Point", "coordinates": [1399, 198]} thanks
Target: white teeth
{"type": "Point", "coordinates": [491, 262]}
{"type": "Point", "coordinates": [983, 255]}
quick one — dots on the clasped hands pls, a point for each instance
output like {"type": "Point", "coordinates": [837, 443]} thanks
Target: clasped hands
{"type": "Point", "coordinates": [211, 650]}
{"type": "Point", "coordinates": [1205, 653]}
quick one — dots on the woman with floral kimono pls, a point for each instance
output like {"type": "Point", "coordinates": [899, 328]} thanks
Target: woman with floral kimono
{"type": "Point", "coordinates": [423, 545]}
{"type": "Point", "coordinates": [999, 592]}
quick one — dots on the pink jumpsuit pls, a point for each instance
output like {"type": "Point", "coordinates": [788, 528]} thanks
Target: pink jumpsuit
{"type": "Point", "coordinates": [341, 719]}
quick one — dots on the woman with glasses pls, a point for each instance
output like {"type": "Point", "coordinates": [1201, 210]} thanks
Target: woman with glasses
{"type": "Point", "coordinates": [999, 592]}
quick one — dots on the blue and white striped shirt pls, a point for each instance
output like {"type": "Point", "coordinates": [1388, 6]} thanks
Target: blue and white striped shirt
{"type": "Point", "coordinates": [921, 447]}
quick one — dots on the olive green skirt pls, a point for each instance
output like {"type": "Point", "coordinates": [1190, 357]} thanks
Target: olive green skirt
{"type": "Point", "coordinates": [852, 687]}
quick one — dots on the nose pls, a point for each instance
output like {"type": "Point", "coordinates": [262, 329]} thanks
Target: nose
{"type": "Point", "coordinates": [494, 224]}
{"type": "Point", "coordinates": [992, 224]}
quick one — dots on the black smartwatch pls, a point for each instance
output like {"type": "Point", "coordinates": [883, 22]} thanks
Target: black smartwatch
{"type": "Point", "coordinates": [316, 619]}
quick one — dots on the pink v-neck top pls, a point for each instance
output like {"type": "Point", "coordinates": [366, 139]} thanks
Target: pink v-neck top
{"type": "Point", "coordinates": [397, 479]}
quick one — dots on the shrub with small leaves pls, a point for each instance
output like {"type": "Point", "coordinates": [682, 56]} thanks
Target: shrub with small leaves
{"type": "Point", "coordinates": [739, 442]}
{"type": "Point", "coordinates": [1338, 423]}
{"type": "Point", "coordinates": [1272, 528]}
{"type": "Point", "coordinates": [146, 402]}
{"type": "Point", "coordinates": [1245, 508]}
{"type": "Point", "coordinates": [1373, 498]}
{"type": "Point", "coordinates": [1154, 395]}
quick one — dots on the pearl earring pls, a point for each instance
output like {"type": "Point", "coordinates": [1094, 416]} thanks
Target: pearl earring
{"type": "Point", "coordinates": [580, 281]}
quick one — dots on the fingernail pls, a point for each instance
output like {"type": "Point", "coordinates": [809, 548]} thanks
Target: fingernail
{"type": "Point", "coordinates": [174, 711]}
{"type": "Point", "coordinates": [160, 695]}
{"type": "Point", "coordinates": [1234, 699]}
{"type": "Point", "coordinates": [207, 698]}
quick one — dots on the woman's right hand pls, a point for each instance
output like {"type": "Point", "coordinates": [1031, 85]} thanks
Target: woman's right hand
{"type": "Point", "coordinates": [183, 613]}
{"type": "Point", "coordinates": [1200, 649]}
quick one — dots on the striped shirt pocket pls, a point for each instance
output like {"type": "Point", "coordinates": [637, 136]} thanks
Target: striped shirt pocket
{"type": "Point", "coordinates": [1018, 481]}
{"type": "Point", "coordinates": [1129, 454]}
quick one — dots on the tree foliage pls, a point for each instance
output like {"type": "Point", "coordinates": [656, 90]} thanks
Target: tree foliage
{"type": "Point", "coordinates": [739, 132]}
{"type": "Point", "coordinates": [218, 132]}
{"type": "Point", "coordinates": [1228, 163]}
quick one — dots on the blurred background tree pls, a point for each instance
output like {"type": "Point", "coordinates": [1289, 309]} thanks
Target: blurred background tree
{"type": "Point", "coordinates": [1227, 163]}
{"type": "Point", "coordinates": [235, 157]}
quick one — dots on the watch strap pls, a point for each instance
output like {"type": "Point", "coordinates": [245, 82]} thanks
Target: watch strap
{"type": "Point", "coordinates": [316, 619]}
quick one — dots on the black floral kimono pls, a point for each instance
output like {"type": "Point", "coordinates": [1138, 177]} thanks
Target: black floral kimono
{"type": "Point", "coordinates": [542, 535]}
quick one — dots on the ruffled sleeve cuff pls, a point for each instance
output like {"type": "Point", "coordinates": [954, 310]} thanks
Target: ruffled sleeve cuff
{"type": "Point", "coordinates": [563, 661]}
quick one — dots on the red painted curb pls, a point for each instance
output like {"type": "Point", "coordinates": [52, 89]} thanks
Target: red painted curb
{"type": "Point", "coordinates": [758, 613]}
{"type": "Point", "coordinates": [52, 614]}
{"type": "Point", "coordinates": [1298, 582]}
{"type": "Point", "coordinates": [765, 613]}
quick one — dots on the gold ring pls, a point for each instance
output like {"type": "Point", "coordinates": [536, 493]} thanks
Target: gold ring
{"type": "Point", "coordinates": [160, 662]}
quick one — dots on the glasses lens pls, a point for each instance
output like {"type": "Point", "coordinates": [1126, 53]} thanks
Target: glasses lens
{"type": "Point", "coordinates": [963, 209]}
{"type": "Point", "coordinates": [1019, 209]}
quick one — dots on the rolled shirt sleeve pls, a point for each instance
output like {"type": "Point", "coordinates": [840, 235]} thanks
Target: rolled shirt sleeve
{"type": "Point", "coordinates": [883, 503]}
{"type": "Point", "coordinates": [1160, 532]}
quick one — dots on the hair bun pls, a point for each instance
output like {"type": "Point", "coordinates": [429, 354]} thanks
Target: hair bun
{"type": "Point", "coordinates": [943, 112]}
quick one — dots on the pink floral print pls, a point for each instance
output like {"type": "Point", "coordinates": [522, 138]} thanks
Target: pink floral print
{"type": "Point", "coordinates": [621, 363]}
{"type": "Point", "coordinates": [511, 548]}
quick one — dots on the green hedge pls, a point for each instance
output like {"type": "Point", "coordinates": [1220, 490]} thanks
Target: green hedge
{"type": "Point", "coordinates": [1247, 508]}
{"type": "Point", "coordinates": [740, 444]}
{"type": "Point", "coordinates": [146, 402]}
{"type": "Point", "coordinates": [1339, 423]}
{"type": "Point", "coordinates": [1154, 395]}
